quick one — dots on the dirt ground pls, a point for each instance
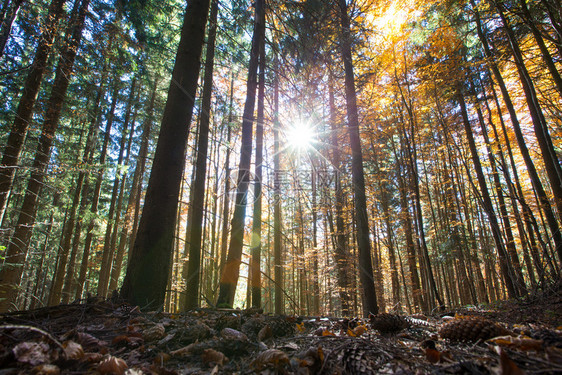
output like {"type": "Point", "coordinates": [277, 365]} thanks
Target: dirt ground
{"type": "Point", "coordinates": [105, 337]}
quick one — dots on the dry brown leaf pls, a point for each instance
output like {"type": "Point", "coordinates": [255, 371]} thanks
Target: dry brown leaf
{"type": "Point", "coordinates": [265, 333]}
{"type": "Point", "coordinates": [88, 341]}
{"type": "Point", "coordinates": [72, 350]}
{"type": "Point", "coordinates": [508, 367]}
{"type": "Point", "coordinates": [357, 331]}
{"type": "Point", "coordinates": [92, 357]}
{"type": "Point", "coordinates": [112, 366]}
{"type": "Point", "coordinates": [45, 369]}
{"type": "Point", "coordinates": [126, 339]}
{"type": "Point", "coordinates": [327, 332]}
{"type": "Point", "coordinates": [521, 342]}
{"type": "Point", "coordinates": [33, 353]}
{"type": "Point", "coordinates": [161, 358]}
{"type": "Point", "coordinates": [153, 333]}
{"type": "Point", "coordinates": [272, 358]}
{"type": "Point", "coordinates": [211, 356]}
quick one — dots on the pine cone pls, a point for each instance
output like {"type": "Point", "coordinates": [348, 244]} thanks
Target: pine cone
{"type": "Point", "coordinates": [471, 329]}
{"type": "Point", "coordinates": [362, 358]}
{"type": "Point", "coordinates": [388, 323]}
{"type": "Point", "coordinates": [280, 325]}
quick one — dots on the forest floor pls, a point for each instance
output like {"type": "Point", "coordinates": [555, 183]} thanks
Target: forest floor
{"type": "Point", "coordinates": [103, 337]}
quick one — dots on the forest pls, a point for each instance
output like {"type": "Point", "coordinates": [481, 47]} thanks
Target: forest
{"type": "Point", "coordinates": [305, 157]}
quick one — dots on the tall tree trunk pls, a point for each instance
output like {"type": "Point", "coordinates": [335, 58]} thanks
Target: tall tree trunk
{"type": "Point", "coordinates": [255, 244]}
{"type": "Point", "coordinates": [341, 248]}
{"type": "Point", "coordinates": [363, 241]}
{"type": "Point", "coordinates": [229, 277]}
{"type": "Point", "coordinates": [531, 169]}
{"type": "Point", "coordinates": [510, 240]}
{"type": "Point", "coordinates": [114, 211]}
{"type": "Point", "coordinates": [22, 118]}
{"type": "Point", "coordinates": [17, 249]}
{"type": "Point", "coordinates": [6, 23]}
{"type": "Point", "coordinates": [505, 264]}
{"type": "Point", "coordinates": [277, 240]}
{"type": "Point", "coordinates": [97, 190]}
{"type": "Point", "coordinates": [546, 56]}
{"type": "Point", "coordinates": [410, 246]}
{"type": "Point", "coordinates": [550, 159]}
{"type": "Point", "coordinates": [192, 270]}
{"type": "Point", "coordinates": [134, 195]}
{"type": "Point", "coordinates": [150, 258]}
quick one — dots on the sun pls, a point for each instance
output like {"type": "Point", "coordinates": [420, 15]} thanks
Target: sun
{"type": "Point", "coordinates": [300, 136]}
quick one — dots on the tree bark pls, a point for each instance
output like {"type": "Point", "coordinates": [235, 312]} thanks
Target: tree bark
{"type": "Point", "coordinates": [277, 241]}
{"type": "Point", "coordinates": [17, 249]}
{"type": "Point", "coordinates": [22, 119]}
{"type": "Point", "coordinates": [97, 191]}
{"type": "Point", "coordinates": [150, 258]}
{"type": "Point", "coordinates": [114, 211]}
{"type": "Point", "coordinates": [531, 169]}
{"type": "Point", "coordinates": [229, 277]}
{"type": "Point", "coordinates": [192, 269]}
{"type": "Point", "coordinates": [255, 244]}
{"type": "Point", "coordinates": [505, 264]}
{"type": "Point", "coordinates": [6, 23]}
{"type": "Point", "coordinates": [363, 241]}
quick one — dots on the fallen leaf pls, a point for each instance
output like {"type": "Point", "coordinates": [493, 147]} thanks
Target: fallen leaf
{"type": "Point", "coordinates": [45, 369]}
{"type": "Point", "coordinates": [33, 353]}
{"type": "Point", "coordinates": [432, 355]}
{"type": "Point", "coordinates": [508, 367]}
{"type": "Point", "coordinates": [265, 333]}
{"type": "Point", "coordinates": [112, 366]}
{"type": "Point", "coordinates": [212, 356]}
{"type": "Point", "coordinates": [521, 342]}
{"type": "Point", "coordinates": [327, 332]}
{"type": "Point", "coordinates": [73, 350]}
{"type": "Point", "coordinates": [161, 358]}
{"type": "Point", "coordinates": [88, 341]}
{"type": "Point", "coordinates": [273, 358]}
{"type": "Point", "coordinates": [92, 357]}
{"type": "Point", "coordinates": [357, 331]}
{"type": "Point", "coordinates": [300, 327]}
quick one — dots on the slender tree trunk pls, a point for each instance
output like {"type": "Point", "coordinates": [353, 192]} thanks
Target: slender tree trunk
{"type": "Point", "coordinates": [505, 264]}
{"type": "Point", "coordinates": [226, 200]}
{"type": "Point", "coordinates": [255, 245]}
{"type": "Point", "coordinates": [550, 159]}
{"type": "Point", "coordinates": [546, 56]}
{"type": "Point", "coordinates": [410, 246]}
{"type": "Point", "coordinates": [192, 270]}
{"type": "Point", "coordinates": [97, 190]}
{"type": "Point", "coordinates": [229, 277]}
{"type": "Point", "coordinates": [150, 258]}
{"type": "Point", "coordinates": [363, 241]}
{"type": "Point", "coordinates": [6, 23]}
{"type": "Point", "coordinates": [22, 118]}
{"type": "Point", "coordinates": [531, 169]}
{"type": "Point", "coordinates": [19, 244]}
{"type": "Point", "coordinates": [114, 211]}
{"type": "Point", "coordinates": [134, 195]}
{"type": "Point", "coordinates": [341, 248]}
{"type": "Point", "coordinates": [510, 244]}
{"type": "Point", "coordinates": [277, 241]}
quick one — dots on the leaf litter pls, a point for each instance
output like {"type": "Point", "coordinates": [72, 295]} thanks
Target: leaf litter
{"type": "Point", "coordinates": [104, 337]}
